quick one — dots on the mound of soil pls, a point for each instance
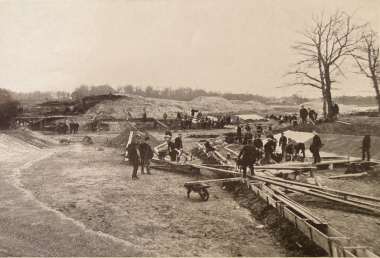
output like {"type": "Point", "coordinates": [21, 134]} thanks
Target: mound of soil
{"type": "Point", "coordinates": [135, 106]}
{"type": "Point", "coordinates": [11, 147]}
{"type": "Point", "coordinates": [34, 138]}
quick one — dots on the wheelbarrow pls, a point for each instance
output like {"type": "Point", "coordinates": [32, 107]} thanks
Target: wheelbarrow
{"type": "Point", "coordinates": [200, 188]}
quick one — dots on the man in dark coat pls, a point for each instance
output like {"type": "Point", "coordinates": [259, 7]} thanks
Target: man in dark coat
{"type": "Point", "coordinates": [269, 148]}
{"type": "Point", "coordinates": [247, 137]}
{"type": "Point", "coordinates": [259, 129]}
{"type": "Point", "coordinates": [178, 146]}
{"type": "Point", "coordinates": [247, 158]}
{"type": "Point", "coordinates": [134, 156]}
{"type": "Point", "coordinates": [366, 146]}
{"type": "Point", "coordinates": [72, 127]}
{"type": "Point", "coordinates": [303, 114]}
{"type": "Point", "coordinates": [315, 146]}
{"type": "Point", "coordinates": [171, 149]}
{"type": "Point", "coordinates": [335, 109]}
{"type": "Point", "coordinates": [258, 143]}
{"type": "Point", "coordinates": [238, 134]}
{"type": "Point", "coordinates": [146, 153]}
{"type": "Point", "coordinates": [282, 143]}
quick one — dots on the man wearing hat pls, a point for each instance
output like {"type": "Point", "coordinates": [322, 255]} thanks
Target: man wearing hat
{"type": "Point", "coordinates": [134, 156]}
{"type": "Point", "coordinates": [146, 153]}
{"type": "Point", "coordinates": [178, 146]}
{"type": "Point", "coordinates": [171, 148]}
{"type": "Point", "coordinates": [303, 114]}
{"type": "Point", "coordinates": [315, 146]}
{"type": "Point", "coordinates": [247, 157]}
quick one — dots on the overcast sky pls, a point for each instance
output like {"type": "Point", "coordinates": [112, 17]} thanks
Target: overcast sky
{"type": "Point", "coordinates": [219, 45]}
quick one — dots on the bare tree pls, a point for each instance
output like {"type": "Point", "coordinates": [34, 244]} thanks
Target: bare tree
{"type": "Point", "coordinates": [324, 48]}
{"type": "Point", "coordinates": [367, 59]}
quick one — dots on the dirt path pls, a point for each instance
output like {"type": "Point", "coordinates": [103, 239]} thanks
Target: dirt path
{"type": "Point", "coordinates": [30, 228]}
{"type": "Point", "coordinates": [153, 214]}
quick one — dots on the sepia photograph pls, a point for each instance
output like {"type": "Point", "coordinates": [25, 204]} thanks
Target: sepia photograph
{"type": "Point", "coordinates": [189, 128]}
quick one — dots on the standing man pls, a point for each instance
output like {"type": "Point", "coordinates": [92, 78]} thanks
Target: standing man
{"type": "Point", "coordinates": [303, 114]}
{"type": "Point", "coordinates": [134, 156]}
{"type": "Point", "coordinates": [247, 158]}
{"type": "Point", "coordinates": [366, 145]}
{"type": "Point", "coordinates": [165, 116]}
{"type": "Point", "coordinates": [258, 143]}
{"type": "Point", "coordinates": [269, 148]}
{"type": "Point", "coordinates": [247, 137]}
{"type": "Point", "coordinates": [282, 143]}
{"type": "Point", "coordinates": [178, 146]}
{"type": "Point", "coordinates": [315, 146]}
{"type": "Point", "coordinates": [144, 116]}
{"type": "Point", "coordinates": [146, 153]}
{"type": "Point", "coordinates": [238, 133]}
{"type": "Point", "coordinates": [171, 149]}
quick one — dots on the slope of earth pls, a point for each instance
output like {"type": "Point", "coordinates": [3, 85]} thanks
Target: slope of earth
{"type": "Point", "coordinates": [152, 213]}
{"type": "Point", "coordinates": [155, 108]}
{"type": "Point", "coordinates": [32, 137]}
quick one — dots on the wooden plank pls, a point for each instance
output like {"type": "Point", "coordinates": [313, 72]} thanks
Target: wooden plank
{"type": "Point", "coordinates": [324, 189]}
{"type": "Point", "coordinates": [288, 214]}
{"type": "Point", "coordinates": [320, 239]}
{"type": "Point", "coordinates": [160, 123]}
{"type": "Point", "coordinates": [304, 227]}
{"type": "Point", "coordinates": [345, 198]}
{"type": "Point", "coordinates": [285, 168]}
{"type": "Point", "coordinates": [220, 156]}
{"type": "Point", "coordinates": [349, 175]}
{"type": "Point", "coordinates": [307, 214]}
{"type": "Point", "coordinates": [235, 179]}
{"type": "Point", "coordinates": [231, 151]}
{"type": "Point", "coordinates": [217, 169]}
{"type": "Point", "coordinates": [342, 122]}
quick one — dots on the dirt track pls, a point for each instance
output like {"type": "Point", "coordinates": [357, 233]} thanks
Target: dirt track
{"type": "Point", "coordinates": [65, 199]}
{"type": "Point", "coordinates": [30, 228]}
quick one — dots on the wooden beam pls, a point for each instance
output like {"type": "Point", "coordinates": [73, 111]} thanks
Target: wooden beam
{"type": "Point", "coordinates": [160, 123]}
{"type": "Point", "coordinates": [325, 189]}
{"type": "Point", "coordinates": [234, 179]}
{"type": "Point", "coordinates": [294, 205]}
{"type": "Point", "coordinates": [348, 175]}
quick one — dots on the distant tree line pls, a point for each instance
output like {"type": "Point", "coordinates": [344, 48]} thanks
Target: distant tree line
{"type": "Point", "coordinates": [357, 100]}
{"type": "Point", "coordinates": [182, 94]}
{"type": "Point", "coordinates": [187, 94]}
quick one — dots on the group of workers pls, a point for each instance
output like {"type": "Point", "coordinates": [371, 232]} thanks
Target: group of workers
{"type": "Point", "coordinates": [254, 151]}
{"type": "Point", "coordinates": [306, 114]}
{"type": "Point", "coordinates": [197, 119]}
{"type": "Point", "coordinates": [173, 149]}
